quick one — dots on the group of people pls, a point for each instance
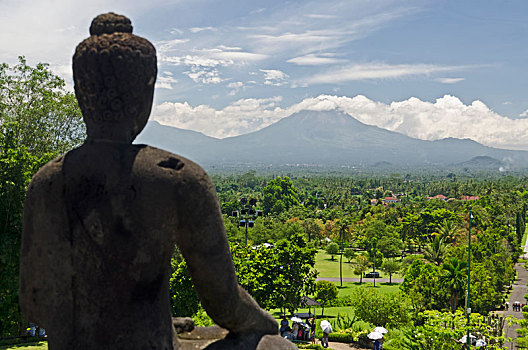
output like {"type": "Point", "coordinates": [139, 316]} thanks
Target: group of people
{"type": "Point", "coordinates": [35, 331]}
{"type": "Point", "coordinates": [299, 330]}
{"type": "Point", "coordinates": [517, 306]}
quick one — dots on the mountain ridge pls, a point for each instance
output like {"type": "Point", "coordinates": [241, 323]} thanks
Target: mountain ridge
{"type": "Point", "coordinates": [327, 138]}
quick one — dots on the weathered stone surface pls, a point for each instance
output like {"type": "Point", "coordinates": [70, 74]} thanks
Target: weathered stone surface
{"type": "Point", "coordinates": [100, 222]}
{"type": "Point", "coordinates": [216, 338]}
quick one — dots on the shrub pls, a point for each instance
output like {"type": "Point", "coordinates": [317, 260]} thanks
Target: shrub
{"type": "Point", "coordinates": [381, 309]}
{"type": "Point", "coordinates": [332, 249]}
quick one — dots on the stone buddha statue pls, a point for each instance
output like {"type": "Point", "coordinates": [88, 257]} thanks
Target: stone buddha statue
{"type": "Point", "coordinates": [101, 221]}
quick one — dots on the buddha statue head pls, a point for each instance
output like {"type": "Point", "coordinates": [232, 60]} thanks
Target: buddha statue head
{"type": "Point", "coordinates": [114, 72]}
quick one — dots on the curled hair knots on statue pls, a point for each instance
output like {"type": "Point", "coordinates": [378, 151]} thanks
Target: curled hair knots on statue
{"type": "Point", "coordinates": [114, 71]}
{"type": "Point", "coordinates": [109, 23]}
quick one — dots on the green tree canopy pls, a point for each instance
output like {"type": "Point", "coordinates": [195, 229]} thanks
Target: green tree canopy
{"type": "Point", "coordinates": [332, 248]}
{"type": "Point", "coordinates": [325, 292]}
{"type": "Point", "coordinates": [279, 195]}
{"type": "Point", "coordinates": [39, 119]}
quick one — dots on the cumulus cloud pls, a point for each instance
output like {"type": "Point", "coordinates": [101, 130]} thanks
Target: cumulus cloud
{"type": "Point", "coordinates": [235, 87]}
{"type": "Point", "coordinates": [240, 117]}
{"type": "Point", "coordinates": [445, 117]}
{"type": "Point", "coordinates": [204, 76]}
{"type": "Point", "coordinates": [524, 114]}
{"type": "Point", "coordinates": [165, 81]}
{"type": "Point", "coordinates": [274, 77]}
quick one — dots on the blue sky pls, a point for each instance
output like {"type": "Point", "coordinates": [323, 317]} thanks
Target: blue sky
{"type": "Point", "coordinates": [428, 69]}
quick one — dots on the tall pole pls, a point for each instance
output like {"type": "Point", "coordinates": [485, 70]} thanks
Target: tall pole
{"type": "Point", "coordinates": [246, 230]}
{"type": "Point", "coordinates": [468, 305]}
{"type": "Point", "coordinates": [341, 257]}
{"type": "Point", "coordinates": [341, 267]}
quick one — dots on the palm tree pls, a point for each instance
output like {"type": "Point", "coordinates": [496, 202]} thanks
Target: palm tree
{"type": "Point", "coordinates": [448, 230]}
{"type": "Point", "coordinates": [454, 278]}
{"type": "Point", "coordinates": [435, 250]}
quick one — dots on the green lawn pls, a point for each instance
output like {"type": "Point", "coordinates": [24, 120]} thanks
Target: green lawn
{"type": "Point", "coordinates": [32, 346]}
{"type": "Point", "coordinates": [347, 289]}
{"type": "Point", "coordinates": [329, 268]}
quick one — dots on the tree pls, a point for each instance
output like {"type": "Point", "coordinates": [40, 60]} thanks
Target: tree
{"type": "Point", "coordinates": [454, 278]}
{"type": "Point", "coordinates": [313, 228]}
{"type": "Point", "coordinates": [448, 231]}
{"type": "Point", "coordinates": [391, 266]}
{"type": "Point", "coordinates": [349, 254]}
{"type": "Point", "coordinates": [279, 275]}
{"type": "Point", "coordinates": [183, 299]}
{"type": "Point", "coordinates": [390, 309]}
{"type": "Point", "coordinates": [360, 266]}
{"type": "Point", "coordinates": [279, 195]}
{"type": "Point", "coordinates": [325, 292]}
{"type": "Point", "coordinates": [39, 120]}
{"type": "Point", "coordinates": [435, 250]}
{"type": "Point", "coordinates": [45, 116]}
{"type": "Point", "coordinates": [390, 245]}
{"type": "Point", "coordinates": [332, 249]}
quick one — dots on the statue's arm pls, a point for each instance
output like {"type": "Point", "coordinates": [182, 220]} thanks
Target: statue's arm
{"type": "Point", "coordinates": [45, 260]}
{"type": "Point", "coordinates": [204, 245]}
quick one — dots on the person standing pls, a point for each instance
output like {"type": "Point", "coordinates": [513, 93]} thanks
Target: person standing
{"type": "Point", "coordinates": [311, 323]}
{"type": "Point", "coordinates": [327, 329]}
{"type": "Point", "coordinates": [378, 344]}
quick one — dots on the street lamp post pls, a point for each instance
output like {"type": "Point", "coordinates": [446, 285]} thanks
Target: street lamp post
{"type": "Point", "coordinates": [247, 214]}
{"type": "Point", "coordinates": [468, 305]}
{"type": "Point", "coordinates": [373, 253]}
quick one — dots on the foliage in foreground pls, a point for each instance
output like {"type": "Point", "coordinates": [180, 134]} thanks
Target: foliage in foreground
{"type": "Point", "coordinates": [443, 330]}
{"type": "Point", "coordinates": [39, 119]}
{"type": "Point", "coordinates": [390, 310]}
{"type": "Point", "coordinates": [277, 276]}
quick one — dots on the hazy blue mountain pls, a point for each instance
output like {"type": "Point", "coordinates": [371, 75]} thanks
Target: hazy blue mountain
{"type": "Point", "coordinates": [483, 162]}
{"type": "Point", "coordinates": [188, 143]}
{"type": "Point", "coordinates": [327, 138]}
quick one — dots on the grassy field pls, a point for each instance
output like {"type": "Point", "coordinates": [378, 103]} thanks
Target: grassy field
{"type": "Point", "coordinates": [347, 289]}
{"type": "Point", "coordinates": [32, 346]}
{"type": "Point", "coordinates": [329, 268]}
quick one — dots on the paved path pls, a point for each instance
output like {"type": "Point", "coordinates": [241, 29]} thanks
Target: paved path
{"type": "Point", "coordinates": [365, 280]}
{"type": "Point", "coordinates": [343, 346]}
{"type": "Point", "coordinates": [518, 292]}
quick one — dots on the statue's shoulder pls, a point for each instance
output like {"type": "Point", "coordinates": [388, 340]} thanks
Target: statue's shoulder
{"type": "Point", "coordinates": [159, 161]}
{"type": "Point", "coordinates": [48, 174]}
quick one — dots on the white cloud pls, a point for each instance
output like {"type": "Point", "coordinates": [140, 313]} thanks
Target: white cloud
{"type": "Point", "coordinates": [204, 76]}
{"type": "Point", "coordinates": [210, 57]}
{"type": "Point", "coordinates": [201, 29]}
{"type": "Point", "coordinates": [524, 114]}
{"type": "Point", "coordinates": [315, 60]}
{"type": "Point", "coordinates": [446, 117]}
{"type": "Point", "coordinates": [235, 86]}
{"type": "Point", "coordinates": [49, 30]}
{"type": "Point", "coordinates": [320, 16]}
{"type": "Point", "coordinates": [449, 80]}
{"type": "Point", "coordinates": [240, 117]}
{"type": "Point", "coordinates": [165, 81]}
{"type": "Point", "coordinates": [377, 71]}
{"type": "Point", "coordinates": [274, 77]}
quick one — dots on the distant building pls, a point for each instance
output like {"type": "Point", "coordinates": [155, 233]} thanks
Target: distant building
{"type": "Point", "coordinates": [438, 196]}
{"type": "Point", "coordinates": [373, 201]}
{"type": "Point", "coordinates": [389, 200]}
{"type": "Point", "coordinates": [469, 198]}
